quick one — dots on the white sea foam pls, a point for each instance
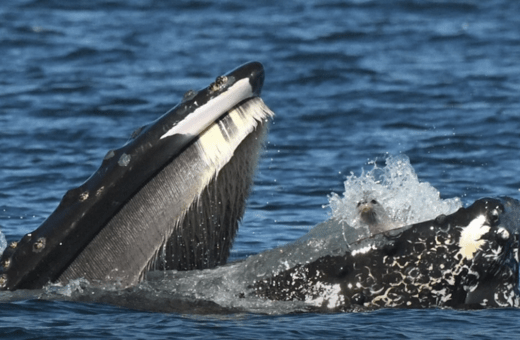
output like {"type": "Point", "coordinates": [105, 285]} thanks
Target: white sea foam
{"type": "Point", "coordinates": [397, 188]}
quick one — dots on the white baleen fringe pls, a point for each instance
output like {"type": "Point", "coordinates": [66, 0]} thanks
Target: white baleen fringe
{"type": "Point", "coordinates": [203, 236]}
{"type": "Point", "coordinates": [218, 143]}
{"type": "Point", "coordinates": [186, 216]}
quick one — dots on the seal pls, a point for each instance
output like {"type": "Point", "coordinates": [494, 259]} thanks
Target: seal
{"type": "Point", "coordinates": [373, 216]}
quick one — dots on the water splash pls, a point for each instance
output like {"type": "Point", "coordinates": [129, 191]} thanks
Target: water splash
{"type": "Point", "coordinates": [3, 243]}
{"type": "Point", "coordinates": [397, 188]}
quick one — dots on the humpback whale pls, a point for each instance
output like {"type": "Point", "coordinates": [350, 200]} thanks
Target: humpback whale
{"type": "Point", "coordinates": [170, 198]}
{"type": "Point", "coordinates": [468, 259]}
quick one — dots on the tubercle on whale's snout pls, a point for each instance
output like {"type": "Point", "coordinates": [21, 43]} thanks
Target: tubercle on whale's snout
{"type": "Point", "coordinates": [5, 264]}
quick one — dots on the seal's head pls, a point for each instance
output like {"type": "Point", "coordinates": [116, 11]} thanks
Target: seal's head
{"type": "Point", "coordinates": [374, 216]}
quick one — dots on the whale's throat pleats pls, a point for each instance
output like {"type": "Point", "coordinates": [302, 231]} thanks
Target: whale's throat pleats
{"type": "Point", "coordinates": [187, 216]}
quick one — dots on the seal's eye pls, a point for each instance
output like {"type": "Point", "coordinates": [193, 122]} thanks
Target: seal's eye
{"type": "Point", "coordinates": [358, 203]}
{"type": "Point", "coordinates": [374, 202]}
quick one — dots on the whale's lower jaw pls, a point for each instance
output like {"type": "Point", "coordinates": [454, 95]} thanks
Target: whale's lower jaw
{"type": "Point", "coordinates": [187, 216]}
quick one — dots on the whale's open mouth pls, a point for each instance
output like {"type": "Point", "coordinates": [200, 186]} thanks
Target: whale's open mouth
{"type": "Point", "coordinates": [171, 198]}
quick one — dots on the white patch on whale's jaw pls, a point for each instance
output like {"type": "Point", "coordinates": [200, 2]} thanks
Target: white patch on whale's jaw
{"type": "Point", "coordinates": [204, 116]}
{"type": "Point", "coordinates": [471, 237]}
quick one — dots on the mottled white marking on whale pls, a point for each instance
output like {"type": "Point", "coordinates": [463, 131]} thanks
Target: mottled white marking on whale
{"type": "Point", "coordinates": [471, 237]}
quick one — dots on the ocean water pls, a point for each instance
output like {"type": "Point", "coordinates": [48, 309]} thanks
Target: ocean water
{"type": "Point", "coordinates": [351, 82]}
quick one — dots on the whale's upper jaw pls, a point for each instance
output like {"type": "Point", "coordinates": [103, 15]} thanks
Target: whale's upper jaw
{"type": "Point", "coordinates": [200, 109]}
{"type": "Point", "coordinates": [79, 221]}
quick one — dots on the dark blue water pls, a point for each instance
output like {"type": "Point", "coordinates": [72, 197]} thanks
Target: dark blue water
{"type": "Point", "coordinates": [350, 81]}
